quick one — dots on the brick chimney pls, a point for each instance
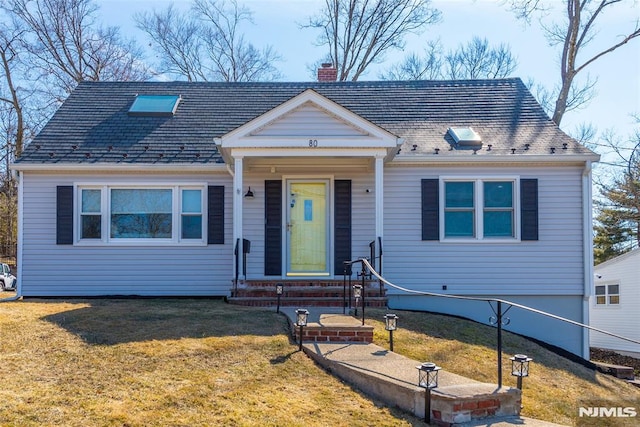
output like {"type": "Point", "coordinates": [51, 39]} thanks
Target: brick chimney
{"type": "Point", "coordinates": [328, 73]}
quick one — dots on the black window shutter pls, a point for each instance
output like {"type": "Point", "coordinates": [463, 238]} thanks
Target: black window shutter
{"type": "Point", "coordinates": [215, 220]}
{"type": "Point", "coordinates": [342, 224]}
{"type": "Point", "coordinates": [273, 228]}
{"type": "Point", "coordinates": [430, 209]}
{"type": "Point", "coordinates": [64, 215]}
{"type": "Point", "coordinates": [529, 209]}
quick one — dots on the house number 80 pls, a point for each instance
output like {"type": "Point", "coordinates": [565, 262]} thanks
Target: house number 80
{"type": "Point", "coordinates": [313, 143]}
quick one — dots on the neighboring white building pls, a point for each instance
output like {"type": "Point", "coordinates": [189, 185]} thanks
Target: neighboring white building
{"type": "Point", "coordinates": [140, 189]}
{"type": "Point", "coordinates": [615, 303]}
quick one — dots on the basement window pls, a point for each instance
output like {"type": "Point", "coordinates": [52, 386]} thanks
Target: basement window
{"type": "Point", "coordinates": [154, 105]}
{"type": "Point", "coordinates": [608, 294]}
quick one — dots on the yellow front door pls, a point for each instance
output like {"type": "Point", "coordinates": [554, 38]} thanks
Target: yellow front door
{"type": "Point", "coordinates": [307, 228]}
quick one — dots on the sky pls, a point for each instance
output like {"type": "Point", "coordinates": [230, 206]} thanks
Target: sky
{"type": "Point", "coordinates": [277, 23]}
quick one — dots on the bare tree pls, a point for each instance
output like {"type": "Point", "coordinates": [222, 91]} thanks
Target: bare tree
{"type": "Point", "coordinates": [575, 31]}
{"type": "Point", "coordinates": [66, 46]}
{"type": "Point", "coordinates": [13, 117]}
{"type": "Point", "coordinates": [206, 44]}
{"type": "Point", "coordinates": [416, 67]}
{"type": "Point", "coordinates": [475, 60]}
{"type": "Point", "coordinates": [478, 60]}
{"type": "Point", "coordinates": [358, 33]}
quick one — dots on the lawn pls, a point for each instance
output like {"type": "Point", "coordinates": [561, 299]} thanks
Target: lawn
{"type": "Point", "coordinates": [197, 362]}
{"type": "Point", "coordinates": [165, 362]}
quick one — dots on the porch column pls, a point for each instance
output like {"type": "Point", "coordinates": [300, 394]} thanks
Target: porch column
{"type": "Point", "coordinates": [379, 177]}
{"type": "Point", "coordinates": [237, 212]}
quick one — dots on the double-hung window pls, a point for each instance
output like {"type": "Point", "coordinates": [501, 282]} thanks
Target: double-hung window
{"type": "Point", "coordinates": [90, 213]}
{"type": "Point", "coordinates": [149, 215]}
{"type": "Point", "coordinates": [481, 209]}
{"type": "Point", "coordinates": [608, 294]}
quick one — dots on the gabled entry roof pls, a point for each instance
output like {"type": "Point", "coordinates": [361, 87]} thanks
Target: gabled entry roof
{"type": "Point", "coordinates": [93, 124]}
{"type": "Point", "coordinates": [309, 120]}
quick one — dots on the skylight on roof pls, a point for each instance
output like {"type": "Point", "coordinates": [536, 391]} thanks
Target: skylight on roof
{"type": "Point", "coordinates": [465, 136]}
{"type": "Point", "coordinates": [154, 105]}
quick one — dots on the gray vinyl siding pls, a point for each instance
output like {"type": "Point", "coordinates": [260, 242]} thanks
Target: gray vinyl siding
{"type": "Point", "coordinates": [65, 270]}
{"type": "Point", "coordinates": [309, 120]}
{"type": "Point", "coordinates": [552, 265]}
{"type": "Point", "coordinates": [624, 318]}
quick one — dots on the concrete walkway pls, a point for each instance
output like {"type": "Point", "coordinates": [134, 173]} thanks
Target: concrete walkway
{"type": "Point", "coordinates": [388, 376]}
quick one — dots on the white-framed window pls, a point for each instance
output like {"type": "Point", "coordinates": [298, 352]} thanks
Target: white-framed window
{"type": "Point", "coordinates": [608, 294]}
{"type": "Point", "coordinates": [479, 209]}
{"type": "Point", "coordinates": [157, 214]}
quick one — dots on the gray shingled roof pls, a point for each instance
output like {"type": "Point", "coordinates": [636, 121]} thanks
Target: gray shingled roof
{"type": "Point", "coordinates": [93, 125]}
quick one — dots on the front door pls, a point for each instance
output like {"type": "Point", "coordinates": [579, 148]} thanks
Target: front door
{"type": "Point", "coordinates": [308, 228]}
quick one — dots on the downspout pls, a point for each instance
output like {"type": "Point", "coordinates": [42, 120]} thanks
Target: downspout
{"type": "Point", "coordinates": [587, 214]}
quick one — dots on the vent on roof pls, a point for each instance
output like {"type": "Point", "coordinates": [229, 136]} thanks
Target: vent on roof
{"type": "Point", "coordinates": [465, 137]}
{"type": "Point", "coordinates": [154, 105]}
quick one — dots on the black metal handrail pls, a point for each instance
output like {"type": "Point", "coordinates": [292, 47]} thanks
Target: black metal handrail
{"type": "Point", "coordinates": [499, 319]}
{"type": "Point", "coordinates": [246, 248]}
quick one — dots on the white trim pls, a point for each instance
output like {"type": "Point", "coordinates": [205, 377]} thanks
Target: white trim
{"type": "Point", "coordinates": [119, 167]}
{"type": "Point", "coordinates": [478, 208]}
{"type": "Point", "coordinates": [286, 180]}
{"type": "Point", "coordinates": [238, 198]}
{"type": "Point", "coordinates": [587, 257]}
{"type": "Point", "coordinates": [379, 197]}
{"type": "Point", "coordinates": [231, 139]}
{"type": "Point", "coordinates": [533, 160]}
{"type": "Point", "coordinates": [20, 236]}
{"type": "Point", "coordinates": [105, 212]}
{"type": "Point", "coordinates": [307, 152]}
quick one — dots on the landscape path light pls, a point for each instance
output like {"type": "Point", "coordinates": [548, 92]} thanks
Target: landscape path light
{"type": "Point", "coordinates": [520, 367]}
{"type": "Point", "coordinates": [357, 294]}
{"type": "Point", "coordinates": [428, 379]}
{"type": "Point", "coordinates": [279, 291]}
{"type": "Point", "coordinates": [301, 321]}
{"type": "Point", "coordinates": [390, 324]}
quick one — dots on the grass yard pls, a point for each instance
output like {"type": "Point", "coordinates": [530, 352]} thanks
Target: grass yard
{"type": "Point", "coordinates": [165, 362]}
{"type": "Point", "coordinates": [555, 389]}
{"type": "Point", "coordinates": [197, 362]}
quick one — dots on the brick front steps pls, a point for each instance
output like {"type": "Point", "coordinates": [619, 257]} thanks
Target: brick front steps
{"type": "Point", "coordinates": [451, 405]}
{"type": "Point", "coordinates": [334, 328]}
{"type": "Point", "coordinates": [304, 293]}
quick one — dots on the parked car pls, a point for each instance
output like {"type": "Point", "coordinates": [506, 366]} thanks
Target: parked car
{"type": "Point", "coordinates": [7, 280]}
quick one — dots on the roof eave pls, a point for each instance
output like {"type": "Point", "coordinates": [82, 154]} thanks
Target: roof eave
{"type": "Point", "coordinates": [120, 167]}
{"type": "Point", "coordinates": [472, 158]}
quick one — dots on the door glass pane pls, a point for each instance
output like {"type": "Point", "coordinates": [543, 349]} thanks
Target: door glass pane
{"type": "Point", "coordinates": [308, 227]}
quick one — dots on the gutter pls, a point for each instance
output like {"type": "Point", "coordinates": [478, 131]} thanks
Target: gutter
{"type": "Point", "coordinates": [120, 167]}
{"type": "Point", "coordinates": [506, 158]}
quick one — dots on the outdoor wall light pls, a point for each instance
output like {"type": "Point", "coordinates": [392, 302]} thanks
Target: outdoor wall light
{"type": "Point", "coordinates": [279, 291]}
{"type": "Point", "coordinates": [520, 367]}
{"type": "Point", "coordinates": [428, 379]}
{"type": "Point", "coordinates": [357, 294]}
{"type": "Point", "coordinates": [301, 321]}
{"type": "Point", "coordinates": [249, 194]}
{"type": "Point", "coordinates": [390, 324]}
